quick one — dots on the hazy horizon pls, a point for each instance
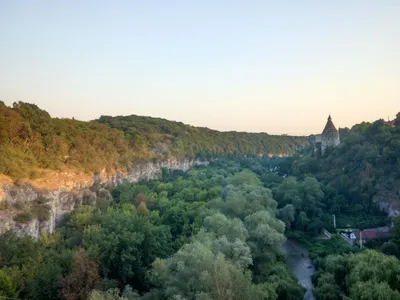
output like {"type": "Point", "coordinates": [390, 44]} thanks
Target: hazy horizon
{"type": "Point", "coordinates": [257, 66]}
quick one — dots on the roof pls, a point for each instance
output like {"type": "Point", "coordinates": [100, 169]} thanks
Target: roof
{"type": "Point", "coordinates": [370, 234]}
{"type": "Point", "coordinates": [329, 127]}
{"type": "Point", "coordinates": [390, 123]}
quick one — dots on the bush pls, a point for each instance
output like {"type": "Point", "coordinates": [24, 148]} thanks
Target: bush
{"type": "Point", "coordinates": [390, 248]}
{"type": "Point", "coordinates": [23, 218]}
{"type": "Point", "coordinates": [42, 212]}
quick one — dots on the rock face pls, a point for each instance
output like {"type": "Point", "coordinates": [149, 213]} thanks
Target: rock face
{"type": "Point", "coordinates": [392, 208]}
{"type": "Point", "coordinates": [57, 201]}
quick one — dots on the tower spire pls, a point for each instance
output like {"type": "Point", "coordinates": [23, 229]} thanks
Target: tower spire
{"type": "Point", "coordinates": [330, 135]}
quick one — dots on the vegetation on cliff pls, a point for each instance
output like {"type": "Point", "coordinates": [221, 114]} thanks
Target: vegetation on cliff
{"type": "Point", "coordinates": [31, 140]}
{"type": "Point", "coordinates": [359, 175]}
{"type": "Point", "coordinates": [148, 136]}
{"type": "Point", "coordinates": [212, 233]}
{"type": "Point", "coordinates": [357, 179]}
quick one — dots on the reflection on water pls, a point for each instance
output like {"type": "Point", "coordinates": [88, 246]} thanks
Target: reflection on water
{"type": "Point", "coordinates": [300, 265]}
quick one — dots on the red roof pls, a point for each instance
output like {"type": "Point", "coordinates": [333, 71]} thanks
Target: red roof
{"type": "Point", "coordinates": [390, 123]}
{"type": "Point", "coordinates": [372, 234]}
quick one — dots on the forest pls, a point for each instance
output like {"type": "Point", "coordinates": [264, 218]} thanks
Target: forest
{"type": "Point", "coordinates": [164, 137]}
{"type": "Point", "coordinates": [212, 233]}
{"type": "Point", "coordinates": [32, 141]}
{"type": "Point", "coordinates": [215, 231]}
{"type": "Point", "coordinates": [361, 173]}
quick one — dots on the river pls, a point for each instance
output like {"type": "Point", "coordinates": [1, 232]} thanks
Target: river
{"type": "Point", "coordinates": [300, 265]}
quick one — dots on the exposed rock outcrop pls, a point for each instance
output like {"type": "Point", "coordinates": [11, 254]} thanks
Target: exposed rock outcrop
{"type": "Point", "coordinates": [58, 193]}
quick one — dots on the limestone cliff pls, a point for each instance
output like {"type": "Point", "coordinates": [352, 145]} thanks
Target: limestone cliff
{"type": "Point", "coordinates": [61, 192]}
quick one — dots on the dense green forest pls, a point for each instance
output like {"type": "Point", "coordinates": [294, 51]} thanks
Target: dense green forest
{"type": "Point", "coordinates": [358, 178]}
{"type": "Point", "coordinates": [360, 174]}
{"type": "Point", "coordinates": [212, 233]}
{"type": "Point", "coordinates": [366, 275]}
{"type": "Point", "coordinates": [353, 181]}
{"type": "Point", "coordinates": [162, 137]}
{"type": "Point", "coordinates": [31, 140]}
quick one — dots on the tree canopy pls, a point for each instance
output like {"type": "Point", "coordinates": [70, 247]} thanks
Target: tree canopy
{"type": "Point", "coordinates": [211, 233]}
{"type": "Point", "coordinates": [31, 140]}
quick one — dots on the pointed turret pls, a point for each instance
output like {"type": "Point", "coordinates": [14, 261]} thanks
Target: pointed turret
{"type": "Point", "coordinates": [330, 136]}
{"type": "Point", "coordinates": [329, 127]}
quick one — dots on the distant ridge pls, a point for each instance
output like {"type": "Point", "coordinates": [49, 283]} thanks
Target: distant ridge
{"type": "Point", "coordinates": [32, 141]}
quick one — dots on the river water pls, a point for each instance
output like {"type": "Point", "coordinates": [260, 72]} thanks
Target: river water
{"type": "Point", "coordinates": [300, 265]}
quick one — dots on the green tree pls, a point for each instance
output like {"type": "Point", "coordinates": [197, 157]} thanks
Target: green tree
{"type": "Point", "coordinates": [327, 289]}
{"type": "Point", "coordinates": [245, 177]}
{"type": "Point", "coordinates": [7, 287]}
{"type": "Point", "coordinates": [266, 233]}
{"type": "Point", "coordinates": [370, 290]}
{"type": "Point", "coordinates": [195, 272]}
{"type": "Point", "coordinates": [126, 244]}
{"type": "Point", "coordinates": [286, 214]}
{"type": "Point", "coordinates": [46, 283]}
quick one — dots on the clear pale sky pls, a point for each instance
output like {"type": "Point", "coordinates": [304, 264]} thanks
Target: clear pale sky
{"type": "Point", "coordinates": [273, 66]}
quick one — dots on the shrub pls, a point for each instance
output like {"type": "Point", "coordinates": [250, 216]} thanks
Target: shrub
{"type": "Point", "coordinates": [42, 212]}
{"type": "Point", "coordinates": [23, 217]}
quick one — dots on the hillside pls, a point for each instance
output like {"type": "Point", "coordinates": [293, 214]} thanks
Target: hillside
{"type": "Point", "coordinates": [31, 142]}
{"type": "Point", "coordinates": [154, 136]}
{"type": "Point", "coordinates": [362, 174]}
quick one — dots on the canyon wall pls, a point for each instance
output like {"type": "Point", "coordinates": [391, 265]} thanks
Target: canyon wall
{"type": "Point", "coordinates": [61, 192]}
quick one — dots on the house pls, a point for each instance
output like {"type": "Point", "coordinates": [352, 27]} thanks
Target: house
{"type": "Point", "coordinates": [390, 123]}
{"type": "Point", "coordinates": [372, 235]}
{"type": "Point", "coordinates": [355, 236]}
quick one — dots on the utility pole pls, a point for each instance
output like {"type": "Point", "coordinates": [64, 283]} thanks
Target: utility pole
{"type": "Point", "coordinates": [334, 221]}
{"type": "Point", "coordinates": [360, 239]}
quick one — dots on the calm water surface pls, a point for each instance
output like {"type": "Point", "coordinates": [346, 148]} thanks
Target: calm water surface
{"type": "Point", "coordinates": [300, 265]}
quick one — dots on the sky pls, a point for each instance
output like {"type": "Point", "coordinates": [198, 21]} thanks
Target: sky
{"type": "Point", "coordinates": [261, 66]}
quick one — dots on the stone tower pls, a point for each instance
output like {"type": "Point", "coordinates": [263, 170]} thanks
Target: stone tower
{"type": "Point", "coordinates": [330, 136]}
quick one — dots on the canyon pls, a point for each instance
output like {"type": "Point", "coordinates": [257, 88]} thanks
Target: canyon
{"type": "Point", "coordinates": [63, 191]}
